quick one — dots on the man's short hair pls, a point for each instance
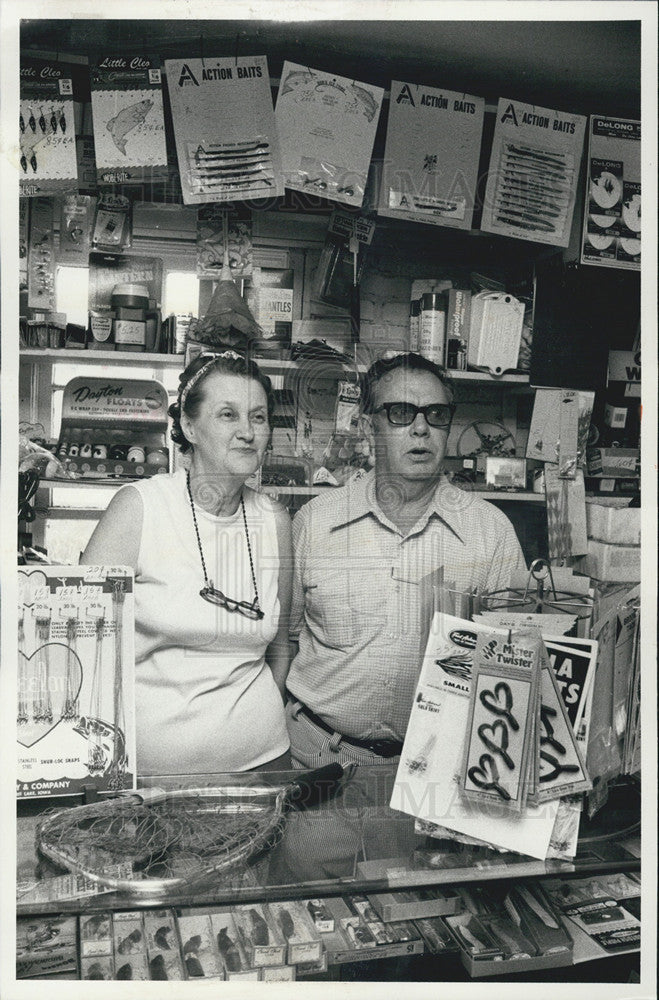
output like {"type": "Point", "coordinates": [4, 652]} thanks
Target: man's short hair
{"type": "Point", "coordinates": [409, 363]}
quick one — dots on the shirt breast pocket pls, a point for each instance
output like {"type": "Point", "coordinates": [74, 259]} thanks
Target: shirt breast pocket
{"type": "Point", "coordinates": [335, 606]}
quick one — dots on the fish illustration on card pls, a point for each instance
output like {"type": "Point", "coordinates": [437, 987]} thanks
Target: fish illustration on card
{"type": "Point", "coordinates": [126, 121]}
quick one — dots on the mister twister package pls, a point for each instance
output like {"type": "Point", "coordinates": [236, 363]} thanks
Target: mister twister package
{"type": "Point", "coordinates": [129, 123]}
{"type": "Point", "coordinates": [75, 715]}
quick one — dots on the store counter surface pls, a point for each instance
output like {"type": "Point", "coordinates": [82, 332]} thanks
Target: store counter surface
{"type": "Point", "coordinates": [352, 842]}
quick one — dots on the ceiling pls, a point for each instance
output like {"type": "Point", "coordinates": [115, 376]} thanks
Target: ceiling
{"type": "Point", "coordinates": [579, 66]}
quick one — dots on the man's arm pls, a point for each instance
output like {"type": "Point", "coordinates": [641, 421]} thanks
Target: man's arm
{"type": "Point", "coordinates": [278, 653]}
{"type": "Point", "coordinates": [507, 559]}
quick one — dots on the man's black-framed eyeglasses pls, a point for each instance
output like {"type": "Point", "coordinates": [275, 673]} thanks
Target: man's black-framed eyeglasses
{"type": "Point", "coordinates": [404, 414]}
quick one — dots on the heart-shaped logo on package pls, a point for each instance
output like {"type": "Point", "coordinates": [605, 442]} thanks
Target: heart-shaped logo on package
{"type": "Point", "coordinates": [492, 701]}
{"type": "Point", "coordinates": [28, 581]}
{"type": "Point", "coordinates": [495, 738]}
{"type": "Point", "coordinates": [44, 679]}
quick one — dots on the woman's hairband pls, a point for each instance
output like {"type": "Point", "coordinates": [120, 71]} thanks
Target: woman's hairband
{"type": "Point", "coordinates": [212, 358]}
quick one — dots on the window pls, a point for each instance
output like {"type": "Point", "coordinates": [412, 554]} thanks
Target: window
{"type": "Point", "coordinates": [71, 293]}
{"type": "Point", "coordinates": [181, 293]}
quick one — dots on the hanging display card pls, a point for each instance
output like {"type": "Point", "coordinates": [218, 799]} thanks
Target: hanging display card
{"type": "Point", "coordinates": [327, 128]}
{"type": "Point", "coordinates": [129, 122]}
{"type": "Point", "coordinates": [533, 173]}
{"type": "Point", "coordinates": [210, 241]}
{"type": "Point", "coordinates": [430, 169]}
{"type": "Point", "coordinates": [562, 767]}
{"type": "Point", "coordinates": [566, 514]}
{"type": "Point", "coordinates": [224, 125]}
{"type": "Point", "coordinates": [502, 726]}
{"type": "Point", "coordinates": [75, 716]}
{"type": "Point", "coordinates": [41, 255]}
{"type": "Point", "coordinates": [48, 162]}
{"type": "Point", "coordinates": [75, 229]}
{"type": "Point", "coordinates": [432, 758]}
{"type": "Point", "coordinates": [612, 207]}
{"type": "Point", "coordinates": [544, 441]}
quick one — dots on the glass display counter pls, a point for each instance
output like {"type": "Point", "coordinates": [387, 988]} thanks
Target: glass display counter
{"type": "Point", "coordinates": [351, 843]}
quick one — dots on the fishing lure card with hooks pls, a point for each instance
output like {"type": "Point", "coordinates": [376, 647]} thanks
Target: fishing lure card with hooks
{"type": "Point", "coordinates": [75, 715]}
{"type": "Point", "coordinates": [47, 139]}
{"type": "Point", "coordinates": [129, 122]}
{"type": "Point", "coordinates": [502, 727]}
{"type": "Point", "coordinates": [224, 125]}
{"type": "Point", "coordinates": [327, 127]}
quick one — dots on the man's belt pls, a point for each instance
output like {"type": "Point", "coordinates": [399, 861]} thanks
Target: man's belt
{"type": "Point", "coordinates": [383, 748]}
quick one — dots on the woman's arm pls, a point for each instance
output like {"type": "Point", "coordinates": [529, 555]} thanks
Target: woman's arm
{"type": "Point", "coordinates": [116, 537]}
{"type": "Point", "coordinates": [278, 652]}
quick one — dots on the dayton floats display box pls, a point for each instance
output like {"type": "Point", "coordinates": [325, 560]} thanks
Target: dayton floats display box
{"type": "Point", "coordinates": [114, 428]}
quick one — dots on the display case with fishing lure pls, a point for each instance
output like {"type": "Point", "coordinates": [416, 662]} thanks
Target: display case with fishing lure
{"type": "Point", "coordinates": [114, 428]}
{"type": "Point", "coordinates": [75, 716]}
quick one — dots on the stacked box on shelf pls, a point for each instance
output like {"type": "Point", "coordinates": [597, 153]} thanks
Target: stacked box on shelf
{"type": "Point", "coordinates": [292, 920]}
{"type": "Point", "coordinates": [45, 946]}
{"type": "Point", "coordinates": [198, 945]}
{"type": "Point", "coordinates": [614, 540]}
{"type": "Point", "coordinates": [234, 959]}
{"type": "Point", "coordinates": [162, 945]}
{"type": "Point", "coordinates": [502, 935]}
{"type": "Point", "coordinates": [129, 946]}
{"type": "Point", "coordinates": [408, 904]}
{"type": "Point", "coordinates": [260, 936]}
{"type": "Point", "coordinates": [364, 939]}
{"type": "Point", "coordinates": [96, 946]}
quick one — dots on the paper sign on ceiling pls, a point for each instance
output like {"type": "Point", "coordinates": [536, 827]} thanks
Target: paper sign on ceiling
{"type": "Point", "coordinates": [430, 169]}
{"type": "Point", "coordinates": [327, 127]}
{"type": "Point", "coordinates": [612, 208]}
{"type": "Point", "coordinates": [224, 126]}
{"type": "Point", "coordinates": [129, 123]}
{"type": "Point", "coordinates": [47, 139]}
{"type": "Point", "coordinates": [533, 173]}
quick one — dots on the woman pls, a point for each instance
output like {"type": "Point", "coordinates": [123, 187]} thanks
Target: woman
{"type": "Point", "coordinates": [213, 565]}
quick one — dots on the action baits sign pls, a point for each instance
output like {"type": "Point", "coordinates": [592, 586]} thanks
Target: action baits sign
{"type": "Point", "coordinates": [47, 127]}
{"type": "Point", "coordinates": [129, 123]}
{"type": "Point", "coordinates": [533, 173]}
{"type": "Point", "coordinates": [224, 125]}
{"type": "Point", "coordinates": [430, 169]}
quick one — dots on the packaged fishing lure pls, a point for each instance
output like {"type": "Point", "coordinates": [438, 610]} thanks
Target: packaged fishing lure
{"type": "Point", "coordinates": [75, 718]}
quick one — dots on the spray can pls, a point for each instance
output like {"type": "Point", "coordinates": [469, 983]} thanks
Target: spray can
{"type": "Point", "coordinates": [432, 333]}
{"type": "Point", "coordinates": [415, 324]}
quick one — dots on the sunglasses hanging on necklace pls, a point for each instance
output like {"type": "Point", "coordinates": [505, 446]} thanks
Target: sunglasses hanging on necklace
{"type": "Point", "coordinates": [209, 592]}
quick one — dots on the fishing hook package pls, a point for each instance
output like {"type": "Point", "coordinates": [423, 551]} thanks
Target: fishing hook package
{"type": "Point", "coordinates": [75, 716]}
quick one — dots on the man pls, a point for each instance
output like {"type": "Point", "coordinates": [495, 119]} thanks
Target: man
{"type": "Point", "coordinates": [362, 554]}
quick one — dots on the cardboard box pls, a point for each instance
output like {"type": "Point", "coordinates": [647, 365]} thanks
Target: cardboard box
{"type": "Point", "coordinates": [613, 462]}
{"type": "Point", "coordinates": [232, 954]}
{"type": "Point", "coordinates": [457, 328]}
{"type": "Point", "coordinates": [435, 934]}
{"type": "Point", "coordinates": [613, 521]}
{"type": "Point", "coordinates": [321, 917]}
{"type": "Point", "coordinates": [162, 945]}
{"type": "Point", "coordinates": [129, 942]}
{"type": "Point", "coordinates": [45, 945]}
{"type": "Point", "coordinates": [198, 946]}
{"type": "Point", "coordinates": [261, 938]}
{"type": "Point", "coordinates": [412, 903]}
{"type": "Point", "coordinates": [95, 934]}
{"type": "Point", "coordinates": [303, 940]}
{"type": "Point", "coordinates": [612, 563]}
{"type": "Point", "coordinates": [279, 974]}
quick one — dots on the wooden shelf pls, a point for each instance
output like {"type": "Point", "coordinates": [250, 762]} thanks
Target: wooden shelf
{"type": "Point", "coordinates": [139, 358]}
